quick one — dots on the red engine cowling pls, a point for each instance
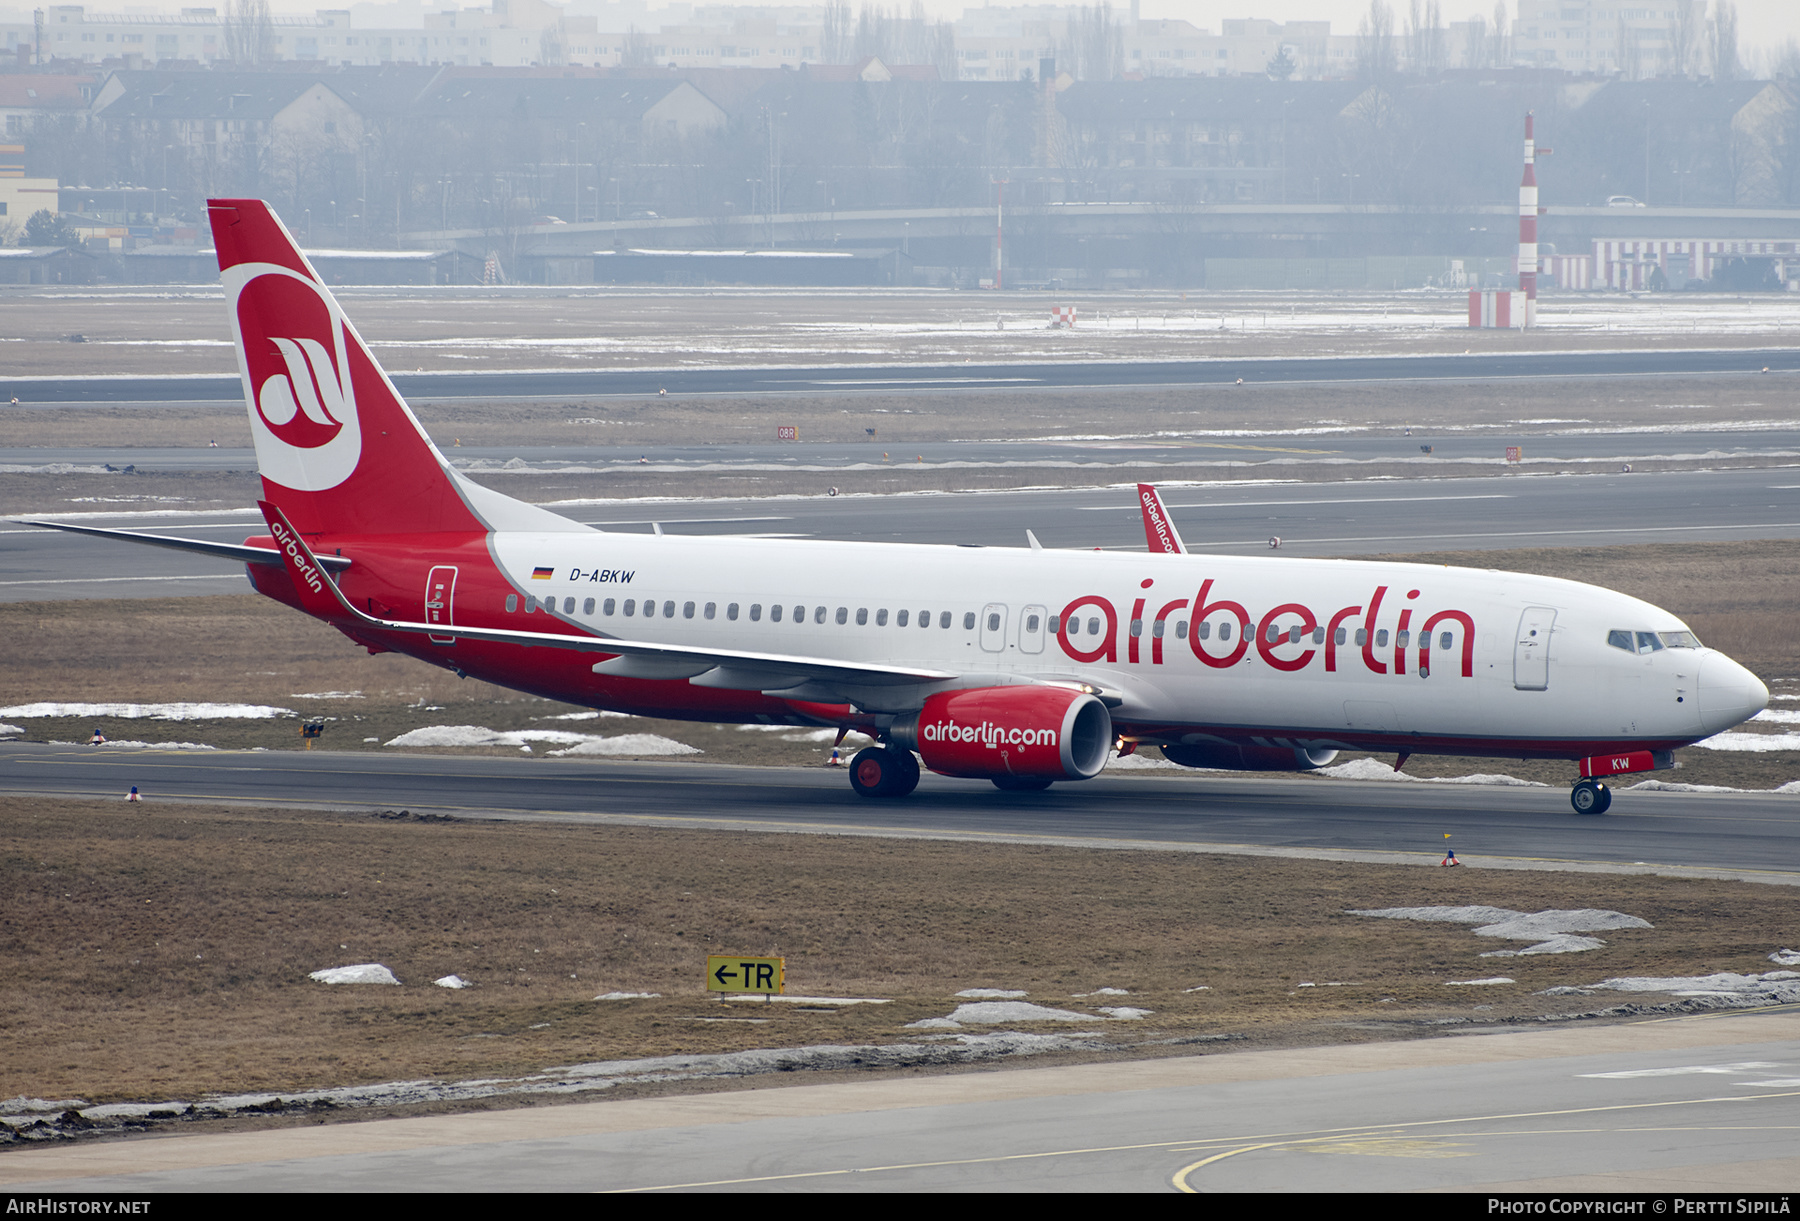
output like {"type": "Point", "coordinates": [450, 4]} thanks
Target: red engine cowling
{"type": "Point", "coordinates": [1044, 733]}
{"type": "Point", "coordinates": [1234, 758]}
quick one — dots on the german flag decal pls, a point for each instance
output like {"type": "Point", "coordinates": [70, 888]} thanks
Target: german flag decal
{"type": "Point", "coordinates": [542, 574]}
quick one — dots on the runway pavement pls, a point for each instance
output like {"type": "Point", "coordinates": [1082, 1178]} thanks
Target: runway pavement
{"type": "Point", "coordinates": [1312, 519]}
{"type": "Point", "coordinates": [1749, 835]}
{"type": "Point", "coordinates": [1682, 1106]}
{"type": "Point", "coordinates": [895, 378]}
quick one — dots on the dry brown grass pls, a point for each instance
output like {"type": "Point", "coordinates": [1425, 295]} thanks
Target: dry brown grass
{"type": "Point", "coordinates": [162, 951]}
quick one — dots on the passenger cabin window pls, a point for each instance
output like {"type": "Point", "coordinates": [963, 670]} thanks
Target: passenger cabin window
{"type": "Point", "coordinates": [587, 607]}
{"type": "Point", "coordinates": [843, 615]}
{"type": "Point", "coordinates": [881, 617]}
{"type": "Point", "coordinates": [512, 603]}
{"type": "Point", "coordinates": [774, 613]}
{"type": "Point", "coordinates": [630, 607]}
{"type": "Point", "coordinates": [687, 610]}
{"type": "Point", "coordinates": [731, 610]}
{"type": "Point", "coordinates": [819, 615]}
{"type": "Point", "coordinates": [568, 606]}
{"type": "Point", "coordinates": [712, 610]}
{"type": "Point", "coordinates": [1031, 623]}
{"type": "Point", "coordinates": [649, 608]}
{"type": "Point", "coordinates": [606, 607]}
{"type": "Point", "coordinates": [755, 611]}
{"type": "Point", "coordinates": [530, 603]}
{"type": "Point", "coordinates": [944, 620]}
{"type": "Point", "coordinates": [669, 610]}
{"type": "Point", "coordinates": [862, 616]}
{"type": "Point", "coordinates": [968, 621]}
{"type": "Point", "coordinates": [899, 619]}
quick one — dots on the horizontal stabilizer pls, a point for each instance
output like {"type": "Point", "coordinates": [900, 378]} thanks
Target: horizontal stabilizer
{"type": "Point", "coordinates": [241, 552]}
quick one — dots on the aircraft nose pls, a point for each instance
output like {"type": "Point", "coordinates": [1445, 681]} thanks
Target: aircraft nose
{"type": "Point", "coordinates": [1729, 694]}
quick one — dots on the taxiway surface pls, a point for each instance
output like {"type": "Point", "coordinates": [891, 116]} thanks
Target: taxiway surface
{"type": "Point", "coordinates": [1749, 835]}
{"type": "Point", "coordinates": [897, 378]}
{"type": "Point", "coordinates": [1687, 1105]}
{"type": "Point", "coordinates": [1313, 519]}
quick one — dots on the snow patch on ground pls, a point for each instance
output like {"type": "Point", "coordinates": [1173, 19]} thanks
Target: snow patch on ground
{"type": "Point", "coordinates": [999, 1013]}
{"type": "Point", "coordinates": [1550, 931]}
{"type": "Point", "coordinates": [1720, 741]}
{"type": "Point", "coordinates": [153, 712]}
{"type": "Point", "coordinates": [1786, 958]}
{"type": "Point", "coordinates": [591, 715]}
{"type": "Point", "coordinates": [992, 994]}
{"type": "Point", "coordinates": [1726, 988]}
{"type": "Point", "coordinates": [452, 981]}
{"type": "Point", "coordinates": [573, 743]}
{"type": "Point", "coordinates": [1140, 763]}
{"type": "Point", "coordinates": [1375, 769]}
{"type": "Point", "coordinates": [362, 973]}
{"type": "Point", "coordinates": [1125, 1013]}
{"type": "Point", "coordinates": [326, 695]}
{"type": "Point", "coordinates": [628, 996]}
{"type": "Point", "coordinates": [1477, 983]}
{"type": "Point", "coordinates": [7, 731]}
{"type": "Point", "coordinates": [157, 746]}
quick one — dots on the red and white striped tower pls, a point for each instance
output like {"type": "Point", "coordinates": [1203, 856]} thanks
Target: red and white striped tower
{"type": "Point", "coordinates": [1528, 214]}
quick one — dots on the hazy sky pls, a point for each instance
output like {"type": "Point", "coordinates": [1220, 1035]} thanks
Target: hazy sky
{"type": "Point", "coordinates": [1761, 23]}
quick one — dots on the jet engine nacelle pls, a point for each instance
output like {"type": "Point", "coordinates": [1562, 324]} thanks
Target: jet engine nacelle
{"type": "Point", "coordinates": [1042, 733]}
{"type": "Point", "coordinates": [1234, 758]}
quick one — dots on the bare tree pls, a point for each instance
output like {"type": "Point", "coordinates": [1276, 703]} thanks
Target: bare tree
{"type": "Point", "coordinates": [1477, 46]}
{"type": "Point", "coordinates": [553, 46]}
{"type": "Point", "coordinates": [1501, 55]}
{"type": "Point", "coordinates": [249, 32]}
{"type": "Point", "coordinates": [1095, 47]}
{"type": "Point", "coordinates": [1376, 58]}
{"type": "Point", "coordinates": [1684, 36]}
{"type": "Point", "coordinates": [837, 38]}
{"type": "Point", "coordinates": [636, 51]}
{"type": "Point", "coordinates": [1424, 38]}
{"type": "Point", "coordinates": [1722, 35]}
{"type": "Point", "coordinates": [1787, 61]}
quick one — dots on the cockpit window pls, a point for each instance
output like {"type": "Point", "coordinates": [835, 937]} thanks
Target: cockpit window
{"type": "Point", "coordinates": [1648, 643]}
{"type": "Point", "coordinates": [1680, 640]}
{"type": "Point", "coordinates": [1621, 640]}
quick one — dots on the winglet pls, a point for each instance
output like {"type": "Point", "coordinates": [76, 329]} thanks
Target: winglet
{"type": "Point", "coordinates": [1159, 531]}
{"type": "Point", "coordinates": [318, 593]}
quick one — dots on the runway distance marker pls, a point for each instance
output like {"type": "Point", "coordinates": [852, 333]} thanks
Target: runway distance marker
{"type": "Point", "coordinates": [736, 973]}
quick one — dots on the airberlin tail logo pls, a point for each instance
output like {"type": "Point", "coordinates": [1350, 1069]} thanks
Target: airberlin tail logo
{"type": "Point", "coordinates": [305, 405]}
{"type": "Point", "coordinates": [296, 354]}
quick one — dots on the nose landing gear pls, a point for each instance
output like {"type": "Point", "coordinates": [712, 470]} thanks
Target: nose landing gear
{"type": "Point", "coordinates": [1590, 797]}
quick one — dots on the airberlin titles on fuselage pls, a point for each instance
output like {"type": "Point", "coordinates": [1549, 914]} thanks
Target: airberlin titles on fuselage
{"type": "Point", "coordinates": [1281, 636]}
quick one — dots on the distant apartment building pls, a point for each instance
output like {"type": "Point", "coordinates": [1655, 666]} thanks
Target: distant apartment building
{"type": "Point", "coordinates": [1604, 37]}
{"type": "Point", "coordinates": [21, 196]}
{"type": "Point", "coordinates": [992, 43]}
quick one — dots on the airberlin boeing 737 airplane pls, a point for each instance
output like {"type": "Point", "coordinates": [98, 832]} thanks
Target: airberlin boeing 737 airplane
{"type": "Point", "coordinates": [1023, 667]}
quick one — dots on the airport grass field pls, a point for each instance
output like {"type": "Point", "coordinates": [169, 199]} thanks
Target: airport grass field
{"type": "Point", "coordinates": [161, 952]}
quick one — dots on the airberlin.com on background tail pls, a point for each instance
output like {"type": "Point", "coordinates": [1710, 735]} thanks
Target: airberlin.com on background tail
{"type": "Point", "coordinates": [337, 447]}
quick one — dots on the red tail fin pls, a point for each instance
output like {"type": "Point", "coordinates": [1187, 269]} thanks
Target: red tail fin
{"type": "Point", "coordinates": [338, 449]}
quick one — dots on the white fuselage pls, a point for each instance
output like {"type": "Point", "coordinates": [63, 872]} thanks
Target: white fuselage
{"type": "Point", "coordinates": [1513, 664]}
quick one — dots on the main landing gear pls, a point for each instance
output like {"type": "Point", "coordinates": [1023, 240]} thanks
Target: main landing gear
{"type": "Point", "coordinates": [884, 771]}
{"type": "Point", "coordinates": [1590, 797]}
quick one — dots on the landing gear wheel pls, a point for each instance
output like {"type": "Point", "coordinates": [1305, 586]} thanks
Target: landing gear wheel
{"type": "Point", "coordinates": [1590, 797]}
{"type": "Point", "coordinates": [882, 771]}
{"type": "Point", "coordinates": [1021, 784]}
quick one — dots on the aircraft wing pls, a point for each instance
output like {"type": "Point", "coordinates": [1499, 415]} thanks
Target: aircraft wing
{"type": "Point", "coordinates": [226, 551]}
{"type": "Point", "coordinates": [800, 677]}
